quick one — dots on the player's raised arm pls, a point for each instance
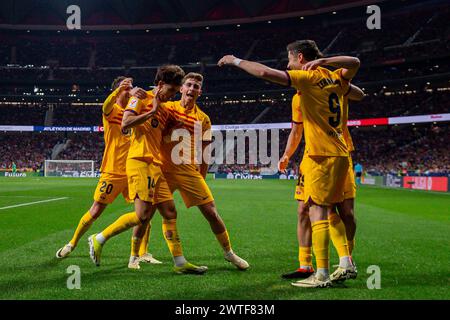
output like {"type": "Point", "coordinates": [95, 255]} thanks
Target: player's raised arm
{"type": "Point", "coordinates": [125, 83]}
{"type": "Point", "coordinates": [349, 64]}
{"type": "Point", "coordinates": [132, 118]}
{"type": "Point", "coordinates": [256, 69]}
{"type": "Point", "coordinates": [295, 136]}
{"type": "Point", "coordinates": [355, 93]}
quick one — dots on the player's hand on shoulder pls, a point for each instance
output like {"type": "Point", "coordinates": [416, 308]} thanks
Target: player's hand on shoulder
{"type": "Point", "coordinates": [283, 163]}
{"type": "Point", "coordinates": [312, 65]}
{"type": "Point", "coordinates": [226, 60]}
{"type": "Point", "coordinates": [126, 84]}
{"type": "Point", "coordinates": [156, 103]}
{"type": "Point", "coordinates": [138, 93]}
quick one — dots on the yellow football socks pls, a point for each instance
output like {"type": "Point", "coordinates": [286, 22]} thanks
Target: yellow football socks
{"type": "Point", "coordinates": [320, 243]}
{"type": "Point", "coordinates": [338, 234]}
{"type": "Point", "coordinates": [135, 245]}
{"type": "Point", "coordinates": [305, 257]}
{"type": "Point", "coordinates": [83, 226]}
{"type": "Point", "coordinates": [224, 240]}
{"type": "Point", "coordinates": [144, 243]}
{"type": "Point", "coordinates": [123, 223]}
{"type": "Point", "coordinates": [171, 235]}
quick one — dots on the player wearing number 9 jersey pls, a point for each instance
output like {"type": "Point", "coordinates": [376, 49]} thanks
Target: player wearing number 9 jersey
{"type": "Point", "coordinates": [327, 153]}
{"type": "Point", "coordinates": [113, 179]}
{"type": "Point", "coordinates": [345, 208]}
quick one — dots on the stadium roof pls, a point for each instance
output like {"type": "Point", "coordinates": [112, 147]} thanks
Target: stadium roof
{"type": "Point", "coordinates": [136, 14]}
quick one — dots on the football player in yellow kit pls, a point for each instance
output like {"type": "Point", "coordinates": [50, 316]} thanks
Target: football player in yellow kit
{"type": "Point", "coordinates": [326, 149]}
{"type": "Point", "coordinates": [184, 175]}
{"type": "Point", "coordinates": [148, 118]}
{"type": "Point", "coordinates": [346, 207]}
{"type": "Point", "coordinates": [113, 179]}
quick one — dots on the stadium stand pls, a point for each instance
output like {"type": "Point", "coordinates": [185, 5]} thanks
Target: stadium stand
{"type": "Point", "coordinates": [404, 73]}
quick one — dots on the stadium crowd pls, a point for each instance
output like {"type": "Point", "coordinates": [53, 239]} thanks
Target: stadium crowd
{"type": "Point", "coordinates": [406, 149]}
{"type": "Point", "coordinates": [233, 110]}
{"type": "Point", "coordinates": [403, 150]}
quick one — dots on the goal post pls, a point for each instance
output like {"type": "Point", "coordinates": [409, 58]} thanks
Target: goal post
{"type": "Point", "coordinates": [69, 168]}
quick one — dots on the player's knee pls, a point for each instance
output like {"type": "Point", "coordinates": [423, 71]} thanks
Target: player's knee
{"type": "Point", "coordinates": [210, 212]}
{"type": "Point", "coordinates": [144, 220]}
{"type": "Point", "coordinates": [170, 213]}
{"type": "Point", "coordinates": [146, 214]}
{"type": "Point", "coordinates": [97, 209]}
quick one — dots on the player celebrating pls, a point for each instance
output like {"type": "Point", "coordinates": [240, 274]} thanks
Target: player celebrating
{"type": "Point", "coordinates": [327, 162]}
{"type": "Point", "coordinates": [345, 208]}
{"type": "Point", "coordinates": [148, 118]}
{"type": "Point", "coordinates": [186, 176]}
{"type": "Point", "coordinates": [113, 180]}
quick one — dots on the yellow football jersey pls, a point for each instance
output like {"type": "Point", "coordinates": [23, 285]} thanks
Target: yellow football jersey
{"type": "Point", "coordinates": [296, 111]}
{"type": "Point", "coordinates": [347, 136]}
{"type": "Point", "coordinates": [116, 143]}
{"type": "Point", "coordinates": [146, 138]}
{"type": "Point", "coordinates": [186, 119]}
{"type": "Point", "coordinates": [322, 94]}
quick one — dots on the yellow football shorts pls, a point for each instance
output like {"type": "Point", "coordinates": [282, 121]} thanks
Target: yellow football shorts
{"type": "Point", "coordinates": [109, 187]}
{"type": "Point", "coordinates": [325, 178]}
{"type": "Point", "coordinates": [143, 179]}
{"type": "Point", "coordinates": [350, 184]}
{"type": "Point", "coordinates": [191, 185]}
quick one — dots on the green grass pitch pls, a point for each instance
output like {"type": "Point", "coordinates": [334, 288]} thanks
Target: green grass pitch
{"type": "Point", "coordinates": [404, 232]}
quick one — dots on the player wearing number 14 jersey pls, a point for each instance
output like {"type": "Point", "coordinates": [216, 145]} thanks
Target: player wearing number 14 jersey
{"type": "Point", "coordinates": [148, 118]}
{"type": "Point", "coordinates": [113, 180]}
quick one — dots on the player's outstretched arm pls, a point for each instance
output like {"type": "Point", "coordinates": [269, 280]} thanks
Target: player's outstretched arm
{"type": "Point", "coordinates": [295, 136]}
{"type": "Point", "coordinates": [256, 69]}
{"type": "Point", "coordinates": [356, 94]}
{"type": "Point", "coordinates": [349, 64]}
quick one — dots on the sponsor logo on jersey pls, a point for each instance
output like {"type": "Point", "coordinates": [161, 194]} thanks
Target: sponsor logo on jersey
{"type": "Point", "coordinates": [154, 123]}
{"type": "Point", "coordinates": [133, 103]}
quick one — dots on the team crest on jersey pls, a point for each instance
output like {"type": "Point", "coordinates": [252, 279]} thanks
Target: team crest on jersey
{"type": "Point", "coordinates": [133, 103]}
{"type": "Point", "coordinates": [154, 123]}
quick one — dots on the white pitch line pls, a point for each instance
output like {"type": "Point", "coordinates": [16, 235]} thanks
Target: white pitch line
{"type": "Point", "coordinates": [30, 203]}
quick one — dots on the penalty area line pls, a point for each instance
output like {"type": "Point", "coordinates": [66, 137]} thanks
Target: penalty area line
{"type": "Point", "coordinates": [30, 203]}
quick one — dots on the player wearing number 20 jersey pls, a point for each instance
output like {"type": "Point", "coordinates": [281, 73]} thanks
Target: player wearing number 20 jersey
{"type": "Point", "coordinates": [113, 180]}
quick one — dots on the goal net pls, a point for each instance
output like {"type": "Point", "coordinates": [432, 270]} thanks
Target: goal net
{"type": "Point", "coordinates": [69, 168]}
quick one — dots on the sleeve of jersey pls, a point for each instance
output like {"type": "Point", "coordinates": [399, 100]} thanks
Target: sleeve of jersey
{"type": "Point", "coordinates": [112, 113]}
{"type": "Point", "coordinates": [206, 128]}
{"type": "Point", "coordinates": [297, 78]}
{"type": "Point", "coordinates": [345, 82]}
{"type": "Point", "coordinates": [296, 114]}
{"type": "Point", "coordinates": [134, 106]}
{"type": "Point", "coordinates": [339, 73]}
{"type": "Point", "coordinates": [108, 104]}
